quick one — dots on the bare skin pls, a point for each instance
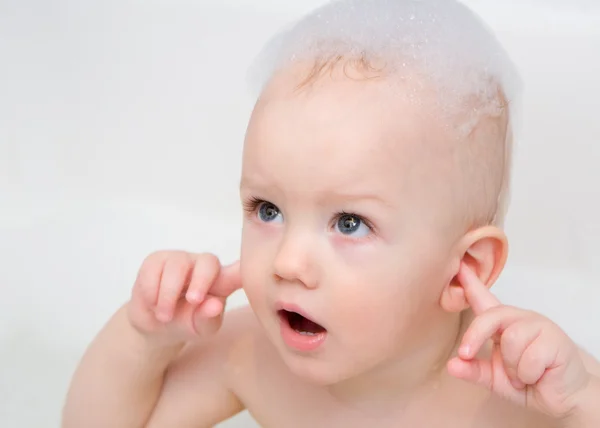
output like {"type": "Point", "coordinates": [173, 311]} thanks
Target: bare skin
{"type": "Point", "coordinates": [276, 397]}
{"type": "Point", "coordinates": [351, 216]}
{"type": "Point", "coordinates": [244, 367]}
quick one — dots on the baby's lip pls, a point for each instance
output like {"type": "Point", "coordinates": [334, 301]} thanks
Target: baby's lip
{"type": "Point", "coordinates": [292, 307]}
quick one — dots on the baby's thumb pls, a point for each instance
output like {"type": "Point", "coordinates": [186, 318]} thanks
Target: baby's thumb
{"type": "Point", "coordinates": [208, 317]}
{"type": "Point", "coordinates": [478, 372]}
{"type": "Point", "coordinates": [228, 281]}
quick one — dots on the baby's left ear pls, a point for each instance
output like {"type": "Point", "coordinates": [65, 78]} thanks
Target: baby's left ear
{"type": "Point", "coordinates": [484, 251]}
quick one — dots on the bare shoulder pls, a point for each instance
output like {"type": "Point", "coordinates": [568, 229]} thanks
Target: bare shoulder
{"type": "Point", "coordinates": [495, 412]}
{"type": "Point", "coordinates": [592, 364]}
{"type": "Point", "coordinates": [199, 387]}
{"type": "Point", "coordinates": [227, 351]}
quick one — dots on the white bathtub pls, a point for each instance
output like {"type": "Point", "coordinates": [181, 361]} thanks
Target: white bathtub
{"type": "Point", "coordinates": [107, 116]}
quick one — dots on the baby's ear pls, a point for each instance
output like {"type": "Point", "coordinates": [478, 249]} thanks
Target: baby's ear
{"type": "Point", "coordinates": [484, 251]}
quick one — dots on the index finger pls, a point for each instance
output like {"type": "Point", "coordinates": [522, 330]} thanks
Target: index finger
{"type": "Point", "coordinates": [228, 281]}
{"type": "Point", "coordinates": [478, 295]}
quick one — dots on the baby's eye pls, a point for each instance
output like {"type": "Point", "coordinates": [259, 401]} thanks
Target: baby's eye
{"type": "Point", "coordinates": [349, 224]}
{"type": "Point", "coordinates": [268, 212]}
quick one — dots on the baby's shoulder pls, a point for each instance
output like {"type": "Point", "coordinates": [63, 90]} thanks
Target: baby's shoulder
{"type": "Point", "coordinates": [478, 407]}
{"type": "Point", "coordinates": [251, 358]}
{"type": "Point", "coordinates": [243, 353]}
{"type": "Point", "coordinates": [590, 362]}
{"type": "Point", "coordinates": [200, 385]}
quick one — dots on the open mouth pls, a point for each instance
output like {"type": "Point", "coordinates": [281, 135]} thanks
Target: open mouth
{"type": "Point", "coordinates": [301, 324]}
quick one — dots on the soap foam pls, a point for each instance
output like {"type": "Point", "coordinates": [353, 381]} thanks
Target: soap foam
{"type": "Point", "coordinates": [441, 40]}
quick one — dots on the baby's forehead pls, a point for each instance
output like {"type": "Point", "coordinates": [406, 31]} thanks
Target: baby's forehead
{"type": "Point", "coordinates": [346, 136]}
{"type": "Point", "coordinates": [362, 112]}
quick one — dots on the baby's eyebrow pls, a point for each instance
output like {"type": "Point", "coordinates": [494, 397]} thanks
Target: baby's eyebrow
{"type": "Point", "coordinates": [257, 183]}
{"type": "Point", "coordinates": [348, 196]}
{"type": "Point", "coordinates": [323, 197]}
{"type": "Point", "coordinates": [246, 182]}
{"type": "Point", "coordinates": [339, 197]}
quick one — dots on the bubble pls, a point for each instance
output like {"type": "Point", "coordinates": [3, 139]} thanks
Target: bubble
{"type": "Point", "coordinates": [441, 40]}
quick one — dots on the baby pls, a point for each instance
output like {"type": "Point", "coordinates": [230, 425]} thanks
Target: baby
{"type": "Point", "coordinates": [374, 183]}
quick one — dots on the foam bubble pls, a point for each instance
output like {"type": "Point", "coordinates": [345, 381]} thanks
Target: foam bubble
{"type": "Point", "coordinates": [442, 39]}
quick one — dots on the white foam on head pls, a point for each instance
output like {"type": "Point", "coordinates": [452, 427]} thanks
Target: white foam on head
{"type": "Point", "coordinates": [442, 39]}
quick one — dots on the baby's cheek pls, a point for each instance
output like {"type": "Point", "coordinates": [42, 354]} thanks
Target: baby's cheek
{"type": "Point", "coordinates": [367, 306]}
{"type": "Point", "coordinates": [252, 279]}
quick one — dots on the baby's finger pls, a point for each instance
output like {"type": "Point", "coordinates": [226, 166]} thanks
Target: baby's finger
{"type": "Point", "coordinates": [228, 281]}
{"type": "Point", "coordinates": [477, 294]}
{"type": "Point", "coordinates": [204, 325]}
{"type": "Point", "coordinates": [476, 371]}
{"type": "Point", "coordinates": [147, 283]}
{"type": "Point", "coordinates": [513, 343]}
{"type": "Point", "coordinates": [211, 307]}
{"type": "Point", "coordinates": [206, 269]}
{"type": "Point", "coordinates": [175, 278]}
{"type": "Point", "coordinates": [534, 361]}
{"type": "Point", "coordinates": [485, 326]}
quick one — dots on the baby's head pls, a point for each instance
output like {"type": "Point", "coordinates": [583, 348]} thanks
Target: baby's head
{"type": "Point", "coordinates": [377, 159]}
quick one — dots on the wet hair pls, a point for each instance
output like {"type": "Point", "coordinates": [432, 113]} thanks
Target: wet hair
{"type": "Point", "coordinates": [440, 44]}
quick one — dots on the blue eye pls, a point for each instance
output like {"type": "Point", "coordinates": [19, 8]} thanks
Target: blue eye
{"type": "Point", "coordinates": [349, 224]}
{"type": "Point", "coordinates": [268, 212]}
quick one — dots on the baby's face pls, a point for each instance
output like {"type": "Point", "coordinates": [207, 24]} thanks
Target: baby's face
{"type": "Point", "coordinates": [346, 202]}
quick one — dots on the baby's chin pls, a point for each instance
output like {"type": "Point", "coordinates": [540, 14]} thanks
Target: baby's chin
{"type": "Point", "coordinates": [331, 367]}
{"type": "Point", "coordinates": [322, 372]}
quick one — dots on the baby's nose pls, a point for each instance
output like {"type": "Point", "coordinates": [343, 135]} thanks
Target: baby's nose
{"type": "Point", "coordinates": [294, 261]}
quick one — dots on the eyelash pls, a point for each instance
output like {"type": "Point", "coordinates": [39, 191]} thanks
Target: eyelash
{"type": "Point", "coordinates": [252, 204]}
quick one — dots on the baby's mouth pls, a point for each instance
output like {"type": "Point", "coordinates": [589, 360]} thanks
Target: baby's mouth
{"type": "Point", "coordinates": [301, 324]}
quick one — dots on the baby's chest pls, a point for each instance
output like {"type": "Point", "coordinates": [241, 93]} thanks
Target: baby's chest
{"type": "Point", "coordinates": [275, 399]}
{"type": "Point", "coordinates": [290, 414]}
{"type": "Point", "coordinates": [292, 407]}
{"type": "Point", "coordinates": [309, 416]}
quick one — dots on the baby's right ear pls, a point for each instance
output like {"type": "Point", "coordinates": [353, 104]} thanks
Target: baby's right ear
{"type": "Point", "coordinates": [484, 251]}
{"type": "Point", "coordinates": [453, 297]}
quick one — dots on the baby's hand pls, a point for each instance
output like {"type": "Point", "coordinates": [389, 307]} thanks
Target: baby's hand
{"type": "Point", "coordinates": [533, 362]}
{"type": "Point", "coordinates": [179, 296]}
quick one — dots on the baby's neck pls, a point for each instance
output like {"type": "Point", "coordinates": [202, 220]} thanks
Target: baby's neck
{"type": "Point", "coordinates": [407, 379]}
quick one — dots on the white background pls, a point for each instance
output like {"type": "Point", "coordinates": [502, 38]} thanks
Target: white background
{"type": "Point", "coordinates": [121, 127]}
